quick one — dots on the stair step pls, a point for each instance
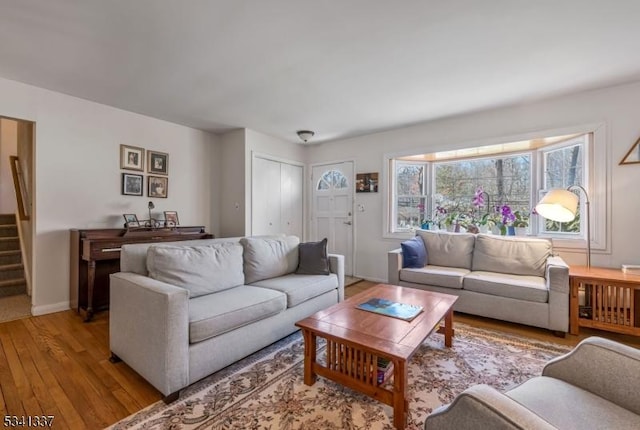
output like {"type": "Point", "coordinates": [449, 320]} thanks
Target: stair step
{"type": "Point", "coordinates": [8, 230]}
{"type": "Point", "coordinates": [7, 219]}
{"type": "Point", "coordinates": [10, 257]}
{"type": "Point", "coordinates": [8, 267]}
{"type": "Point", "coordinates": [9, 243]}
{"type": "Point", "coordinates": [13, 290]}
{"type": "Point", "coordinates": [12, 282]}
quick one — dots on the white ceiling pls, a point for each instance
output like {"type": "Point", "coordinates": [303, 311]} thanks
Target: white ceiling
{"type": "Point", "coordinates": [341, 68]}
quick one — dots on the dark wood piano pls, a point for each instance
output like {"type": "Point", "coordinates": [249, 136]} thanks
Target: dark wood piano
{"type": "Point", "coordinates": [95, 254]}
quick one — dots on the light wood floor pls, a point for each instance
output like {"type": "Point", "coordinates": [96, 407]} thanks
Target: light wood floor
{"type": "Point", "coordinates": [57, 365]}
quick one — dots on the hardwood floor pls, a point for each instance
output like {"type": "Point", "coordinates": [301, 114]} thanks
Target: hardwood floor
{"type": "Point", "coordinates": [57, 365]}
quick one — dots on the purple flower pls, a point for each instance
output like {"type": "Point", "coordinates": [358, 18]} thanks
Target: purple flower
{"type": "Point", "coordinates": [507, 215]}
{"type": "Point", "coordinates": [440, 210]}
{"type": "Point", "coordinates": [478, 198]}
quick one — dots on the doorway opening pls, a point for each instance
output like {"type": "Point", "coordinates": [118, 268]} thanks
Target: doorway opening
{"type": "Point", "coordinates": [16, 220]}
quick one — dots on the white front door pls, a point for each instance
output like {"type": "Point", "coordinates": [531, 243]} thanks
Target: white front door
{"type": "Point", "coordinates": [332, 209]}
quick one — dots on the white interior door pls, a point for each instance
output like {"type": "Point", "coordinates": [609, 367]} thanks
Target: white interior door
{"type": "Point", "coordinates": [332, 209]}
{"type": "Point", "coordinates": [265, 197]}
{"type": "Point", "coordinates": [291, 192]}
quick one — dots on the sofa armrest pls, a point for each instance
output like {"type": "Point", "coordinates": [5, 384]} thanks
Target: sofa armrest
{"type": "Point", "coordinates": [149, 329]}
{"type": "Point", "coordinates": [557, 275]}
{"type": "Point", "coordinates": [557, 278]}
{"type": "Point", "coordinates": [483, 407]}
{"type": "Point", "coordinates": [336, 265]}
{"type": "Point", "coordinates": [394, 259]}
{"type": "Point", "coordinates": [606, 368]}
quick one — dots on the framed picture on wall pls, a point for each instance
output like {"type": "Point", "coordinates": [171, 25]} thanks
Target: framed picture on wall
{"type": "Point", "coordinates": [367, 182]}
{"type": "Point", "coordinates": [131, 184]}
{"type": "Point", "coordinates": [131, 158]}
{"type": "Point", "coordinates": [158, 163]}
{"type": "Point", "coordinates": [171, 218]}
{"type": "Point", "coordinates": [157, 186]}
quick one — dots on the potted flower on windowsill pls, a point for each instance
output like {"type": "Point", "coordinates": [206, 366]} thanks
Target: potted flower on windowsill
{"type": "Point", "coordinates": [521, 223]}
{"type": "Point", "coordinates": [508, 217]}
{"type": "Point", "coordinates": [451, 222]}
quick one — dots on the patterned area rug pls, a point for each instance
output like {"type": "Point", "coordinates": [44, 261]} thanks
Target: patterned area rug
{"type": "Point", "coordinates": [266, 390]}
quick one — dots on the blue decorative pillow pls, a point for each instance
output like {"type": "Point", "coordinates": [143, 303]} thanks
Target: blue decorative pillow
{"type": "Point", "coordinates": [414, 253]}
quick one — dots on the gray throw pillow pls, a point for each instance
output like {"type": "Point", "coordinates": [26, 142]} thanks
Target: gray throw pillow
{"type": "Point", "coordinates": [313, 259]}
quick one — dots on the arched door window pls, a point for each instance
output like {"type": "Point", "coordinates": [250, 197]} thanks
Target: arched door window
{"type": "Point", "coordinates": [332, 179]}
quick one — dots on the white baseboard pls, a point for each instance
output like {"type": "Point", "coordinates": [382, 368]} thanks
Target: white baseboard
{"type": "Point", "coordinates": [367, 278]}
{"type": "Point", "coordinates": [49, 309]}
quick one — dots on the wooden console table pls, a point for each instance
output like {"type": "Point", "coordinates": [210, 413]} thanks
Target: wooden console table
{"type": "Point", "coordinates": [95, 254]}
{"type": "Point", "coordinates": [605, 299]}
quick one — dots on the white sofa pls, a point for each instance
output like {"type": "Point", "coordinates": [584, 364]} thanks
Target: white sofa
{"type": "Point", "coordinates": [508, 278]}
{"type": "Point", "coordinates": [181, 311]}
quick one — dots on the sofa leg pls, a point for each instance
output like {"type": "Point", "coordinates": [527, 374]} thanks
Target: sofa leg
{"type": "Point", "coordinates": [171, 397]}
{"type": "Point", "coordinates": [114, 358]}
{"type": "Point", "coordinates": [558, 333]}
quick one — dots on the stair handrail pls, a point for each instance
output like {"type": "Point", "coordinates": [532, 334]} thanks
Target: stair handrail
{"type": "Point", "coordinates": [21, 190]}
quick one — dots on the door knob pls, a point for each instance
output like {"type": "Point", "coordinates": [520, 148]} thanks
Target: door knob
{"type": "Point", "coordinates": [347, 222]}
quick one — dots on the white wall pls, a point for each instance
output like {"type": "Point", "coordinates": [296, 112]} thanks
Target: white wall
{"type": "Point", "coordinates": [8, 147]}
{"type": "Point", "coordinates": [77, 175]}
{"type": "Point", "coordinates": [618, 107]}
{"type": "Point", "coordinates": [232, 178]}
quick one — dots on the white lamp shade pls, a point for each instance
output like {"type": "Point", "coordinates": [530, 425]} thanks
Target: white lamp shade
{"type": "Point", "coordinates": [558, 205]}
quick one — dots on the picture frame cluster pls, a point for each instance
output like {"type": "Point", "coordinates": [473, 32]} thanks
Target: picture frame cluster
{"type": "Point", "coordinates": [157, 164]}
{"type": "Point", "coordinates": [170, 220]}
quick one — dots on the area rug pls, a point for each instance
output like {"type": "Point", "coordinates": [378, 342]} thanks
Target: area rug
{"type": "Point", "coordinates": [266, 390]}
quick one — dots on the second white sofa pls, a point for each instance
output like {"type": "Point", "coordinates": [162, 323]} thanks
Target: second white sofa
{"type": "Point", "coordinates": [508, 278]}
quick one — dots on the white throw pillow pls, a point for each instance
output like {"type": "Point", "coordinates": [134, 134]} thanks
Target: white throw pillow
{"type": "Point", "coordinates": [199, 269]}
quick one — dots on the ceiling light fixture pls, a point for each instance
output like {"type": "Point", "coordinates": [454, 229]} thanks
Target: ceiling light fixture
{"type": "Point", "coordinates": [305, 135]}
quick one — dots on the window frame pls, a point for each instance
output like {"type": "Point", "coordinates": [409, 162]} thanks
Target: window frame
{"type": "Point", "coordinates": [595, 177]}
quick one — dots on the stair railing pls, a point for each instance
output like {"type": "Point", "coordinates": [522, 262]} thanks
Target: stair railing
{"type": "Point", "coordinates": [21, 190]}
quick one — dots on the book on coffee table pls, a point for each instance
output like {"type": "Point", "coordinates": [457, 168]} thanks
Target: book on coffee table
{"type": "Point", "coordinates": [389, 308]}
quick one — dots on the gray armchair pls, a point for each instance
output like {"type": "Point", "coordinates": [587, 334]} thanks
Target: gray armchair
{"type": "Point", "coordinates": [595, 386]}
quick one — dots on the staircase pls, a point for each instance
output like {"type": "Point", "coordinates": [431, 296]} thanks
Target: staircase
{"type": "Point", "coordinates": [12, 280]}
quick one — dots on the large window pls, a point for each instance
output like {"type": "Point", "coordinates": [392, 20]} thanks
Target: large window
{"type": "Point", "coordinates": [563, 167]}
{"type": "Point", "coordinates": [487, 188]}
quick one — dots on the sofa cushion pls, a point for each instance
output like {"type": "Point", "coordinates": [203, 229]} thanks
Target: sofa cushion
{"type": "Point", "coordinates": [269, 257]}
{"type": "Point", "coordinates": [218, 313]}
{"type": "Point", "coordinates": [519, 256]}
{"type": "Point", "coordinates": [439, 276]}
{"type": "Point", "coordinates": [313, 259]}
{"type": "Point", "coordinates": [200, 269]}
{"type": "Point", "coordinates": [133, 256]}
{"type": "Point", "coordinates": [556, 402]}
{"type": "Point", "coordinates": [529, 288]}
{"type": "Point", "coordinates": [414, 254]}
{"type": "Point", "coordinates": [300, 288]}
{"type": "Point", "coordinates": [448, 249]}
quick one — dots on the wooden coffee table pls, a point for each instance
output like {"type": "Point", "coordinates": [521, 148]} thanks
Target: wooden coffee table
{"type": "Point", "coordinates": [356, 338]}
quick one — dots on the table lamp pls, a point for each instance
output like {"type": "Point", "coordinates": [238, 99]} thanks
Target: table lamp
{"type": "Point", "coordinates": [562, 206]}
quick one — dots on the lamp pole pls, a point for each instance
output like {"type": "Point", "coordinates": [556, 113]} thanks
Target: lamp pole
{"type": "Point", "coordinates": [588, 203]}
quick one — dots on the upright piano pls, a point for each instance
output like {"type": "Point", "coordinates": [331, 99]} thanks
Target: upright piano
{"type": "Point", "coordinates": [95, 254]}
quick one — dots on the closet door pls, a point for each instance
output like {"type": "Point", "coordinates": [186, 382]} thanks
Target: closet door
{"type": "Point", "coordinates": [291, 199]}
{"type": "Point", "coordinates": [265, 197]}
